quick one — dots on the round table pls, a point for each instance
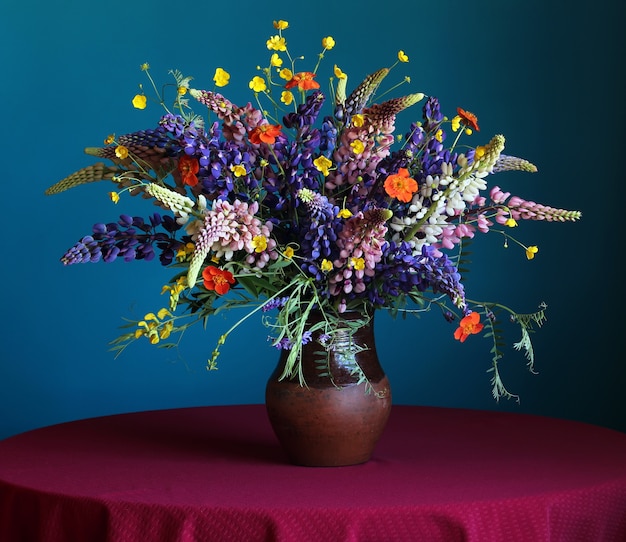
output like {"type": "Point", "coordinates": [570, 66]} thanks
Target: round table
{"type": "Point", "coordinates": [217, 474]}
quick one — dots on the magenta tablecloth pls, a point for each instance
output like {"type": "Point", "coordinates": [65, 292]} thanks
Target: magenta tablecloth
{"type": "Point", "coordinates": [217, 474]}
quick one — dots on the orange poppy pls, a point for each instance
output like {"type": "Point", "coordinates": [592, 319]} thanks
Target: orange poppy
{"type": "Point", "coordinates": [188, 168]}
{"type": "Point", "coordinates": [468, 119]}
{"type": "Point", "coordinates": [469, 325]}
{"type": "Point", "coordinates": [217, 279]}
{"type": "Point", "coordinates": [400, 185]}
{"type": "Point", "coordinates": [265, 133]}
{"type": "Point", "coordinates": [303, 80]}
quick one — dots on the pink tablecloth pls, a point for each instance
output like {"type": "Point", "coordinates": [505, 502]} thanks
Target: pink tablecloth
{"type": "Point", "coordinates": [217, 474]}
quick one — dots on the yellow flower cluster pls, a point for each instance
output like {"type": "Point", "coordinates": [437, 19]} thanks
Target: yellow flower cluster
{"type": "Point", "coordinates": [259, 84]}
{"type": "Point", "coordinates": [175, 290]}
{"type": "Point", "coordinates": [185, 253]}
{"type": "Point", "coordinates": [153, 327]}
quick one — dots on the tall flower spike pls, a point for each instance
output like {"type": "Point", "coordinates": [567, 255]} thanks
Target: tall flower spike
{"type": "Point", "coordinates": [175, 202]}
{"type": "Point", "coordinates": [233, 116]}
{"type": "Point", "coordinates": [89, 174]}
{"type": "Point", "coordinates": [361, 94]}
{"type": "Point", "coordinates": [380, 113]}
{"type": "Point", "coordinates": [151, 149]}
{"type": "Point", "coordinates": [318, 230]}
{"type": "Point", "coordinates": [491, 155]}
{"type": "Point", "coordinates": [512, 163]}
{"type": "Point", "coordinates": [521, 209]}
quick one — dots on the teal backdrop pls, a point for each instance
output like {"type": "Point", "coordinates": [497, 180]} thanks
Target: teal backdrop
{"type": "Point", "coordinates": [546, 74]}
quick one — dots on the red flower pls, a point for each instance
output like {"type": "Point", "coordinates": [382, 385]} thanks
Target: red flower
{"type": "Point", "coordinates": [217, 279]}
{"type": "Point", "coordinates": [468, 119]}
{"type": "Point", "coordinates": [303, 80]}
{"type": "Point", "coordinates": [469, 325]}
{"type": "Point", "coordinates": [188, 168]}
{"type": "Point", "coordinates": [265, 133]}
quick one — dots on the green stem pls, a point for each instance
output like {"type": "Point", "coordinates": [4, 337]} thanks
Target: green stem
{"type": "Point", "coordinates": [223, 337]}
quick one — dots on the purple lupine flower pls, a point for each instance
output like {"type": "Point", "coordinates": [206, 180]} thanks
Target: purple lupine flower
{"type": "Point", "coordinates": [131, 238]}
{"type": "Point", "coordinates": [174, 124]}
{"type": "Point", "coordinates": [400, 272]}
{"type": "Point", "coordinates": [433, 117]}
{"type": "Point", "coordinates": [328, 140]}
{"type": "Point", "coordinates": [318, 228]}
{"type": "Point", "coordinates": [306, 113]}
{"type": "Point", "coordinates": [86, 250]}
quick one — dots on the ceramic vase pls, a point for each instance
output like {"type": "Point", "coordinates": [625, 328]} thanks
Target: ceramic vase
{"type": "Point", "coordinates": [336, 414]}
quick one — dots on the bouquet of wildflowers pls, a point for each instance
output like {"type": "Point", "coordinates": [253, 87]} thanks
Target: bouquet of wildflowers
{"type": "Point", "coordinates": [307, 201]}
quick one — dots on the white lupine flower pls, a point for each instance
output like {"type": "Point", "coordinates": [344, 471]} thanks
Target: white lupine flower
{"type": "Point", "coordinates": [454, 204]}
{"type": "Point", "coordinates": [473, 186]}
{"type": "Point", "coordinates": [486, 163]}
{"type": "Point", "coordinates": [175, 202]}
{"type": "Point", "coordinates": [428, 185]}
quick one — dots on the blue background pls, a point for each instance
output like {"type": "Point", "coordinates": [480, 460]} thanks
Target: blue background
{"type": "Point", "coordinates": [542, 73]}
